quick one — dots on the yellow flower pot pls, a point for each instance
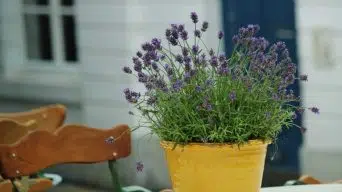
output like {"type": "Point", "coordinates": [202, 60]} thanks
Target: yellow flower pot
{"type": "Point", "coordinates": [216, 167]}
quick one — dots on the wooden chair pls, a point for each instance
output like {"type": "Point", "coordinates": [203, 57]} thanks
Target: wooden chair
{"type": "Point", "coordinates": [14, 126]}
{"type": "Point", "coordinates": [40, 149]}
{"type": "Point", "coordinates": [47, 118]}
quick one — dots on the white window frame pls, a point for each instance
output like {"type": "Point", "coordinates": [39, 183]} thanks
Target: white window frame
{"type": "Point", "coordinates": [36, 79]}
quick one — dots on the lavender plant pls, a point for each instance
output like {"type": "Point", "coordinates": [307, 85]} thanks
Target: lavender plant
{"type": "Point", "coordinates": [198, 94]}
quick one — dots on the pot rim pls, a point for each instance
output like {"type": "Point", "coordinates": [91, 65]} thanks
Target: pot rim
{"type": "Point", "coordinates": [250, 143]}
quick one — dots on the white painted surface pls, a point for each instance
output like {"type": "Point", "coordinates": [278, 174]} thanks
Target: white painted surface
{"type": "Point", "coordinates": [305, 188]}
{"type": "Point", "coordinates": [320, 48]}
{"type": "Point", "coordinates": [36, 75]}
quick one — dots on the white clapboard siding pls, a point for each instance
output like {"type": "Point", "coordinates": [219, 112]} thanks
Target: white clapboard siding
{"type": "Point", "coordinates": [319, 20]}
{"type": "Point", "coordinates": [11, 39]}
{"type": "Point", "coordinates": [326, 97]}
{"type": "Point", "coordinates": [108, 66]}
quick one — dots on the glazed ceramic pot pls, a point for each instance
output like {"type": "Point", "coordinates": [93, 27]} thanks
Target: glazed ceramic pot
{"type": "Point", "coordinates": [216, 167]}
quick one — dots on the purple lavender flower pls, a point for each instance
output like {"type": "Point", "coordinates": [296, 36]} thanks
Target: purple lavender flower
{"type": "Point", "coordinates": [135, 60]}
{"type": "Point", "coordinates": [289, 79]}
{"type": "Point", "coordinates": [209, 107]}
{"type": "Point", "coordinates": [139, 54]}
{"type": "Point", "coordinates": [185, 52]}
{"type": "Point", "coordinates": [174, 27]}
{"type": "Point", "coordinates": [155, 66]}
{"type": "Point", "coordinates": [209, 82]}
{"type": "Point", "coordinates": [211, 52]}
{"type": "Point", "coordinates": [173, 41]}
{"type": "Point", "coordinates": [151, 100]}
{"type": "Point", "coordinates": [187, 59]}
{"type": "Point", "coordinates": [169, 71]}
{"type": "Point", "coordinates": [149, 85]}
{"type": "Point", "coordinates": [232, 96]}
{"type": "Point", "coordinates": [161, 84]}
{"type": "Point", "coordinates": [140, 166]}
{"type": "Point", "coordinates": [177, 85]}
{"type": "Point", "coordinates": [147, 60]}
{"type": "Point", "coordinates": [135, 94]}
{"type": "Point", "coordinates": [198, 88]}
{"type": "Point", "coordinates": [147, 46]}
{"type": "Point", "coordinates": [222, 57]}
{"type": "Point", "coordinates": [303, 77]}
{"type": "Point", "coordinates": [181, 28]}
{"type": "Point", "coordinates": [162, 57]}
{"type": "Point", "coordinates": [213, 61]}
{"type": "Point", "coordinates": [314, 110]}
{"type": "Point", "coordinates": [236, 39]}
{"type": "Point", "coordinates": [194, 17]}
{"type": "Point", "coordinates": [187, 76]}
{"type": "Point", "coordinates": [195, 49]}
{"type": "Point", "coordinates": [156, 43]}
{"type": "Point", "coordinates": [131, 96]}
{"type": "Point", "coordinates": [174, 34]}
{"type": "Point", "coordinates": [110, 140]}
{"type": "Point", "coordinates": [138, 67]}
{"type": "Point", "coordinates": [143, 78]}
{"type": "Point", "coordinates": [223, 70]}
{"type": "Point", "coordinates": [127, 70]}
{"type": "Point", "coordinates": [197, 33]}
{"type": "Point", "coordinates": [127, 91]}
{"type": "Point", "coordinates": [168, 33]}
{"type": "Point", "coordinates": [205, 26]}
{"type": "Point", "coordinates": [193, 72]}
{"type": "Point", "coordinates": [166, 66]}
{"type": "Point", "coordinates": [220, 34]}
{"type": "Point", "coordinates": [179, 58]}
{"type": "Point", "coordinates": [184, 35]}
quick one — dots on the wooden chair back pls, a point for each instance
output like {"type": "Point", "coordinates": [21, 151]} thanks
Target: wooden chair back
{"type": "Point", "coordinates": [14, 126]}
{"type": "Point", "coordinates": [47, 117]}
{"type": "Point", "coordinates": [68, 144]}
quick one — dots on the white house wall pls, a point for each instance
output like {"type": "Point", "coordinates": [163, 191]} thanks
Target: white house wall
{"type": "Point", "coordinates": [320, 48]}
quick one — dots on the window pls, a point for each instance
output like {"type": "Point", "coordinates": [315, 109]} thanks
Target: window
{"type": "Point", "coordinates": [49, 28]}
{"type": "Point", "coordinates": [39, 43]}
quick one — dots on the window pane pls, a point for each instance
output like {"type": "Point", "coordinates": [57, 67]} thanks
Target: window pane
{"type": "Point", "coordinates": [38, 36]}
{"type": "Point", "coordinates": [67, 2]}
{"type": "Point", "coordinates": [70, 44]}
{"type": "Point", "coordinates": [36, 2]}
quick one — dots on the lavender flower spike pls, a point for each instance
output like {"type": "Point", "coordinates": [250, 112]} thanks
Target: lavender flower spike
{"type": "Point", "coordinates": [205, 26]}
{"type": "Point", "coordinates": [194, 17]}
{"type": "Point", "coordinates": [127, 70]}
{"type": "Point", "coordinates": [303, 77]}
{"type": "Point", "coordinates": [314, 110]}
{"type": "Point", "coordinates": [232, 96]}
{"type": "Point", "coordinates": [220, 34]}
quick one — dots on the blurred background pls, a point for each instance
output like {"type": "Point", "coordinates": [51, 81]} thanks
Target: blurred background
{"type": "Point", "coordinates": [72, 51]}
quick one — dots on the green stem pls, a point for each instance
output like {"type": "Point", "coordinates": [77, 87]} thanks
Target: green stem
{"type": "Point", "coordinates": [204, 44]}
{"type": "Point", "coordinates": [218, 48]}
{"type": "Point", "coordinates": [115, 176]}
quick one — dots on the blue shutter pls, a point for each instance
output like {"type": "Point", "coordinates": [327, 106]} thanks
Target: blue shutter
{"type": "Point", "coordinates": [277, 22]}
